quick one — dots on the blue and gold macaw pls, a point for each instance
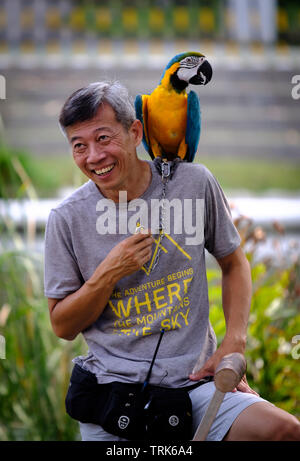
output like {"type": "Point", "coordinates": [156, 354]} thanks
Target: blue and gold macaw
{"type": "Point", "coordinates": [171, 117]}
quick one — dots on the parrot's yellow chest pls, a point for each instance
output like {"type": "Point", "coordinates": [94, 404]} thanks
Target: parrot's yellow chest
{"type": "Point", "coordinates": [167, 116]}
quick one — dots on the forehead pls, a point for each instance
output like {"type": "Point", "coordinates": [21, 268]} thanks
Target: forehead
{"type": "Point", "coordinates": [104, 118]}
{"type": "Point", "coordinates": [189, 61]}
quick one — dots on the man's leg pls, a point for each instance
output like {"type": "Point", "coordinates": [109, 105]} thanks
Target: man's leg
{"type": "Point", "coordinates": [244, 416]}
{"type": "Point", "coordinates": [263, 421]}
{"type": "Point", "coordinates": [232, 406]}
{"type": "Point", "coordinates": [92, 432]}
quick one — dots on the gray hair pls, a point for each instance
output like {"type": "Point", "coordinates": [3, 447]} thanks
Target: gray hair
{"type": "Point", "coordinates": [84, 103]}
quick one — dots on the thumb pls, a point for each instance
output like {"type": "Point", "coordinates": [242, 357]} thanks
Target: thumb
{"type": "Point", "coordinates": [206, 370]}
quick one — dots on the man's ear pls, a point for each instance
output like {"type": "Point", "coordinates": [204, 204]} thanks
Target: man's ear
{"type": "Point", "coordinates": [136, 130]}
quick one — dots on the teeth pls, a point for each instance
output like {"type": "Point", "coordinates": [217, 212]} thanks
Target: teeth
{"type": "Point", "coordinates": [104, 170]}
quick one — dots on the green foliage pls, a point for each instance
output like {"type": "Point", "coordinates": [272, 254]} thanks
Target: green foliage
{"type": "Point", "coordinates": [11, 164]}
{"type": "Point", "coordinates": [274, 322]}
{"type": "Point", "coordinates": [236, 173]}
{"type": "Point", "coordinates": [34, 376]}
{"type": "Point", "coordinates": [21, 174]}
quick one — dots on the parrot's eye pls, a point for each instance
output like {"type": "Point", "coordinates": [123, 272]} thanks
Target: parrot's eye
{"type": "Point", "coordinates": [189, 61]}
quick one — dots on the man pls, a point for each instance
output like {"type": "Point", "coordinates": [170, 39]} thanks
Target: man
{"type": "Point", "coordinates": [120, 288]}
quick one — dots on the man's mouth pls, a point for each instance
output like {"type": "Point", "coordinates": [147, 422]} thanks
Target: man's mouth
{"type": "Point", "coordinates": [103, 171]}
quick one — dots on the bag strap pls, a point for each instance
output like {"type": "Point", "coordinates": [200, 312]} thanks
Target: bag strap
{"type": "Point", "coordinates": [204, 380]}
{"type": "Point", "coordinates": [199, 383]}
{"type": "Point", "coordinates": [146, 382]}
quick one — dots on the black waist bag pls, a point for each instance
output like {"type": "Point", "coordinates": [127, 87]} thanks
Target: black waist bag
{"type": "Point", "coordinates": [168, 414]}
{"type": "Point", "coordinates": [126, 411]}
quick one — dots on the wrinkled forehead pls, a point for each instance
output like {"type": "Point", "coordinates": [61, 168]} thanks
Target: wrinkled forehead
{"type": "Point", "coordinates": [104, 118]}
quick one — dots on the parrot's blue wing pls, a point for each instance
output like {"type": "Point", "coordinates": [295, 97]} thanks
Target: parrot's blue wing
{"type": "Point", "coordinates": [193, 125]}
{"type": "Point", "coordinates": [140, 111]}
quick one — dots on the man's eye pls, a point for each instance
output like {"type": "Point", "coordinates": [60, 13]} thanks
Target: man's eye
{"type": "Point", "coordinates": [103, 139]}
{"type": "Point", "coordinates": [79, 147]}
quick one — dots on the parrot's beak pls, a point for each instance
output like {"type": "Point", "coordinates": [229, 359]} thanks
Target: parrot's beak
{"type": "Point", "coordinates": [204, 74]}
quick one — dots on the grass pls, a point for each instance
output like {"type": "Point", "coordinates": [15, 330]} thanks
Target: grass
{"type": "Point", "coordinates": [255, 176]}
{"type": "Point", "coordinates": [52, 173]}
{"type": "Point", "coordinates": [49, 174]}
{"type": "Point", "coordinates": [34, 375]}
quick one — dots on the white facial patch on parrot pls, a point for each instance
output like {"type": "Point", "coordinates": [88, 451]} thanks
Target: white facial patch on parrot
{"type": "Point", "coordinates": [189, 67]}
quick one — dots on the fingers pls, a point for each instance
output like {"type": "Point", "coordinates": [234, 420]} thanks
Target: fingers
{"type": "Point", "coordinates": [133, 252]}
{"type": "Point", "coordinates": [145, 254]}
{"type": "Point", "coordinates": [206, 370]}
{"type": "Point", "coordinates": [196, 376]}
{"type": "Point", "coordinates": [199, 375]}
{"type": "Point", "coordinates": [146, 240]}
{"type": "Point", "coordinates": [140, 235]}
{"type": "Point", "coordinates": [243, 386]}
{"type": "Point", "coordinates": [142, 246]}
{"type": "Point", "coordinates": [140, 231]}
{"type": "Point", "coordinates": [209, 367]}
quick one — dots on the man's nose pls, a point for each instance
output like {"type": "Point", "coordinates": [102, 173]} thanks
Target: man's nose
{"type": "Point", "coordinates": [95, 154]}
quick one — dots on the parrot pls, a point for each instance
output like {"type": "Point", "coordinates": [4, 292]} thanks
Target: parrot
{"type": "Point", "coordinates": [170, 116]}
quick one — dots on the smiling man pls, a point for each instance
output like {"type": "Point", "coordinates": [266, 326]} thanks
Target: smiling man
{"type": "Point", "coordinates": [108, 288]}
{"type": "Point", "coordinates": [105, 150]}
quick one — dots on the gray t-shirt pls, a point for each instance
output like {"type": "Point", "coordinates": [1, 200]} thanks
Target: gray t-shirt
{"type": "Point", "coordinates": [169, 292]}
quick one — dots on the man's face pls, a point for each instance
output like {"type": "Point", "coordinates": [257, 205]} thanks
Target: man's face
{"type": "Point", "coordinates": [104, 151]}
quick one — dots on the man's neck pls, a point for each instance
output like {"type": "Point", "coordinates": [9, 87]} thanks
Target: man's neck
{"type": "Point", "coordinates": [138, 184]}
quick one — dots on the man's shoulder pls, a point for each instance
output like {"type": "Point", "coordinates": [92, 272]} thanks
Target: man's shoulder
{"type": "Point", "coordinates": [187, 172]}
{"type": "Point", "coordinates": [78, 197]}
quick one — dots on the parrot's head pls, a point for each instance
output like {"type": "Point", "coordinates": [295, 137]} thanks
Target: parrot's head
{"type": "Point", "coordinates": [188, 68]}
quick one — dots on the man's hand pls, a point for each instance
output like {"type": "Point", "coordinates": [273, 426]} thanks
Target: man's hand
{"type": "Point", "coordinates": [131, 254]}
{"type": "Point", "coordinates": [244, 387]}
{"type": "Point", "coordinates": [211, 364]}
{"type": "Point", "coordinates": [77, 311]}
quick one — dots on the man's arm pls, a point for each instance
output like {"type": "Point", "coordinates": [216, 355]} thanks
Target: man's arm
{"type": "Point", "coordinates": [236, 298]}
{"type": "Point", "coordinates": [236, 294]}
{"type": "Point", "coordinates": [77, 311]}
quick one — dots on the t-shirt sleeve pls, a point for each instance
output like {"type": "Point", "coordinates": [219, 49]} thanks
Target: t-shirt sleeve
{"type": "Point", "coordinates": [221, 235]}
{"type": "Point", "coordinates": [62, 275]}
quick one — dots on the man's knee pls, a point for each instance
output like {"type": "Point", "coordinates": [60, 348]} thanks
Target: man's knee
{"type": "Point", "coordinates": [286, 429]}
{"type": "Point", "coordinates": [278, 425]}
{"type": "Point", "coordinates": [264, 422]}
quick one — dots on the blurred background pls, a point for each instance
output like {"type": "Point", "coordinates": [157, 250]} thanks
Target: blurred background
{"type": "Point", "coordinates": [250, 140]}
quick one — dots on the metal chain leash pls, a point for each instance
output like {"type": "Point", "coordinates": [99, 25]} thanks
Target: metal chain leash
{"type": "Point", "coordinates": [166, 170]}
{"type": "Point", "coordinates": [162, 215]}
